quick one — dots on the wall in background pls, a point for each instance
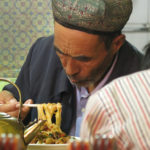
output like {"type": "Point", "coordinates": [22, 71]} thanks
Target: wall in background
{"type": "Point", "coordinates": [137, 29]}
{"type": "Point", "coordinates": [21, 23]}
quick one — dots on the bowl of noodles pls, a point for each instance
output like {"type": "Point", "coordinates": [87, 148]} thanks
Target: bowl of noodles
{"type": "Point", "coordinates": [47, 147]}
{"type": "Point", "coordinates": [52, 146]}
{"type": "Point", "coordinates": [50, 136]}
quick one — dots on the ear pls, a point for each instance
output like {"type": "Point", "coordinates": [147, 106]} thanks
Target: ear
{"type": "Point", "coordinates": [118, 42]}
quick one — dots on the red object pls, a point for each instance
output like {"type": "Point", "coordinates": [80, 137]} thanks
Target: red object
{"type": "Point", "coordinates": [10, 142]}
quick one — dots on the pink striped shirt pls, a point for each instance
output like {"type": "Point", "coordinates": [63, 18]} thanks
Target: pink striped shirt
{"type": "Point", "coordinates": [121, 109]}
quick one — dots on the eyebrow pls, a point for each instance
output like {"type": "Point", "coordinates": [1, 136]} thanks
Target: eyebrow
{"type": "Point", "coordinates": [80, 58]}
{"type": "Point", "coordinates": [59, 51]}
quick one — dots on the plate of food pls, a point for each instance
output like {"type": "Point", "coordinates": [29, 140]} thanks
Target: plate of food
{"type": "Point", "coordinates": [52, 146]}
{"type": "Point", "coordinates": [47, 147]}
{"type": "Point", "coordinates": [50, 136]}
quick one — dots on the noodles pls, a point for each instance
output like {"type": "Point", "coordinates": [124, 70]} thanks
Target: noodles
{"type": "Point", "coordinates": [50, 132]}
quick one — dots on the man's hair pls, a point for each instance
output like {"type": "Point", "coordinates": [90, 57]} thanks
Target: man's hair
{"type": "Point", "coordinates": [108, 37]}
{"type": "Point", "coordinates": [146, 60]}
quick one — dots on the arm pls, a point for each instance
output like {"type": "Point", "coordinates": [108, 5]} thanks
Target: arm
{"type": "Point", "coordinates": [102, 117]}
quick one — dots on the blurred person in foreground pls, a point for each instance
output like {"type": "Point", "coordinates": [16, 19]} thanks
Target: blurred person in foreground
{"type": "Point", "coordinates": [121, 109]}
{"type": "Point", "coordinates": [86, 52]}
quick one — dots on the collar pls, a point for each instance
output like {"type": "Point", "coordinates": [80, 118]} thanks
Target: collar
{"type": "Point", "coordinates": [106, 77]}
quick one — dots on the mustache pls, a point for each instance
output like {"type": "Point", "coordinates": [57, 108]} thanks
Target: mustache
{"type": "Point", "coordinates": [73, 77]}
{"type": "Point", "coordinates": [80, 81]}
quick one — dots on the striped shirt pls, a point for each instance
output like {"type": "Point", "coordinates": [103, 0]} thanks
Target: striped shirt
{"type": "Point", "coordinates": [121, 109]}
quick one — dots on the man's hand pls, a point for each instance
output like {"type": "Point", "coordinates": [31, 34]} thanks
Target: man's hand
{"type": "Point", "coordinates": [25, 110]}
{"type": "Point", "coordinates": [11, 106]}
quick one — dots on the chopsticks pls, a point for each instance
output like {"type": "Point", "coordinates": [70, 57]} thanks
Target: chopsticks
{"type": "Point", "coordinates": [30, 105]}
{"type": "Point", "coordinates": [27, 105]}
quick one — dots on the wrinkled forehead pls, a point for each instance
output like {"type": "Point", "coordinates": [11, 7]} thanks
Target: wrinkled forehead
{"type": "Point", "coordinates": [67, 39]}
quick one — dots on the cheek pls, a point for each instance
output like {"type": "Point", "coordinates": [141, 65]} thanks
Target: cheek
{"type": "Point", "coordinates": [86, 69]}
{"type": "Point", "coordinates": [93, 66]}
{"type": "Point", "coordinates": [69, 63]}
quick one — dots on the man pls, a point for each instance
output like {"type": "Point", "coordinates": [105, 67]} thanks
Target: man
{"type": "Point", "coordinates": [121, 109]}
{"type": "Point", "coordinates": [86, 52]}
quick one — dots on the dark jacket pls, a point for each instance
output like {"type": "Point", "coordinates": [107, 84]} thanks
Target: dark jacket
{"type": "Point", "coordinates": [43, 79]}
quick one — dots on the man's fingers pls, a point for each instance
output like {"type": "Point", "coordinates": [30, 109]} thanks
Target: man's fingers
{"type": "Point", "coordinates": [12, 108]}
{"type": "Point", "coordinates": [12, 101]}
{"type": "Point", "coordinates": [5, 96]}
{"type": "Point", "coordinates": [29, 101]}
{"type": "Point", "coordinates": [2, 102]}
{"type": "Point", "coordinates": [8, 107]}
{"type": "Point", "coordinates": [25, 109]}
{"type": "Point", "coordinates": [14, 113]}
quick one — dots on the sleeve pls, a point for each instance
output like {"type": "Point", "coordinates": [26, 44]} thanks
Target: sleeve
{"type": "Point", "coordinates": [95, 118]}
{"type": "Point", "coordinates": [23, 79]}
{"type": "Point", "coordinates": [101, 118]}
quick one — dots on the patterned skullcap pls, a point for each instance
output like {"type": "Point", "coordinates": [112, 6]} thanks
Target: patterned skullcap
{"type": "Point", "coordinates": [97, 15]}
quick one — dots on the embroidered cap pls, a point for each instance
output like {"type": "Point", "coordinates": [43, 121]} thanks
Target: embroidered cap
{"type": "Point", "coordinates": [96, 15]}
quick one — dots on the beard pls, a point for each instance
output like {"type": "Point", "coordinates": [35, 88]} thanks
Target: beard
{"type": "Point", "coordinates": [96, 74]}
{"type": "Point", "coordinates": [87, 81]}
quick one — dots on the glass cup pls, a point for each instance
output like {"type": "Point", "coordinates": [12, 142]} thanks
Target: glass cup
{"type": "Point", "coordinates": [10, 142]}
{"type": "Point", "coordinates": [99, 142]}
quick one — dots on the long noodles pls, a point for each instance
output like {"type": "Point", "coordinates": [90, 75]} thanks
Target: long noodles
{"type": "Point", "coordinates": [50, 132]}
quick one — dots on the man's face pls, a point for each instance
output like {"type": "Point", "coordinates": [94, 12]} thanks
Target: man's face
{"type": "Point", "coordinates": [83, 55]}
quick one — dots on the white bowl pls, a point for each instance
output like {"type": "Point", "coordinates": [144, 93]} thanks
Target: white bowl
{"type": "Point", "coordinates": [47, 147]}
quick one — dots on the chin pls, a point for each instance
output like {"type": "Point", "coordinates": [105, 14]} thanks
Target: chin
{"type": "Point", "coordinates": [85, 84]}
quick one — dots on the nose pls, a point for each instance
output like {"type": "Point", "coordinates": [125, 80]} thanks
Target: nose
{"type": "Point", "coordinates": [71, 67]}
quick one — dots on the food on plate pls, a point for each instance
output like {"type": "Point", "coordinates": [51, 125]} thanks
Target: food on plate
{"type": "Point", "coordinates": [50, 132]}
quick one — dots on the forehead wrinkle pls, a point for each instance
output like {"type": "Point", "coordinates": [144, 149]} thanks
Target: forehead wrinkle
{"type": "Point", "coordinates": [75, 43]}
{"type": "Point", "coordinates": [70, 49]}
{"type": "Point", "coordinates": [66, 47]}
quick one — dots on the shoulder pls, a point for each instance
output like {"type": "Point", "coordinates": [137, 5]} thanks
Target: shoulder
{"type": "Point", "coordinates": [43, 43]}
{"type": "Point", "coordinates": [134, 76]}
{"type": "Point", "coordinates": [129, 61]}
{"type": "Point", "coordinates": [45, 40]}
{"type": "Point", "coordinates": [43, 49]}
{"type": "Point", "coordinates": [42, 55]}
{"type": "Point", "coordinates": [134, 81]}
{"type": "Point", "coordinates": [130, 51]}
{"type": "Point", "coordinates": [120, 84]}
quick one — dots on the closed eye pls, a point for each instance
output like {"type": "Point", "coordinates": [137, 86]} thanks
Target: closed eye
{"type": "Point", "coordinates": [58, 51]}
{"type": "Point", "coordinates": [79, 58]}
{"type": "Point", "coordinates": [82, 58]}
